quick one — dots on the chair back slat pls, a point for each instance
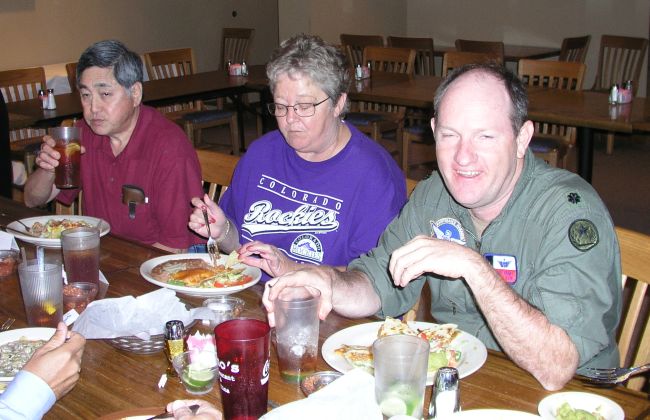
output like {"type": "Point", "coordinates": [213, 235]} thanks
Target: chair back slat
{"type": "Point", "coordinates": [235, 45]}
{"type": "Point", "coordinates": [634, 330]}
{"type": "Point", "coordinates": [620, 59]}
{"type": "Point", "coordinates": [575, 49]}
{"type": "Point", "coordinates": [170, 63]}
{"type": "Point", "coordinates": [354, 45]}
{"type": "Point", "coordinates": [22, 84]}
{"type": "Point", "coordinates": [424, 53]}
{"type": "Point", "coordinates": [71, 71]}
{"type": "Point", "coordinates": [455, 59]}
{"type": "Point", "coordinates": [216, 170]}
{"type": "Point", "coordinates": [494, 48]}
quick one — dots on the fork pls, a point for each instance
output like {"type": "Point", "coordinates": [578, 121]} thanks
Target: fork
{"type": "Point", "coordinates": [613, 375]}
{"type": "Point", "coordinates": [213, 250]}
{"type": "Point", "coordinates": [7, 324]}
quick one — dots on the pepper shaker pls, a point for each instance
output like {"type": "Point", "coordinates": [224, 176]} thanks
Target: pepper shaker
{"type": "Point", "coordinates": [445, 395]}
{"type": "Point", "coordinates": [174, 343]}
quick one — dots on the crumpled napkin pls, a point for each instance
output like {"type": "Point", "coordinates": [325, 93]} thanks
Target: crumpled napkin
{"type": "Point", "coordinates": [7, 241]}
{"type": "Point", "coordinates": [142, 316]}
{"type": "Point", "coordinates": [352, 396]}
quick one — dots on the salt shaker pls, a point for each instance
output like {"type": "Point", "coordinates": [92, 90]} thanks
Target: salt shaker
{"type": "Point", "coordinates": [613, 94]}
{"type": "Point", "coordinates": [244, 68]}
{"type": "Point", "coordinates": [445, 395]}
{"type": "Point", "coordinates": [358, 72]}
{"type": "Point", "coordinates": [51, 102]}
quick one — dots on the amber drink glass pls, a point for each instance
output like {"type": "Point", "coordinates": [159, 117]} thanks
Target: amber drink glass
{"type": "Point", "coordinates": [66, 175]}
{"type": "Point", "coordinates": [81, 254]}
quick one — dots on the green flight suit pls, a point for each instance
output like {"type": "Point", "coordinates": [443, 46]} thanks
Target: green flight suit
{"type": "Point", "coordinates": [575, 283]}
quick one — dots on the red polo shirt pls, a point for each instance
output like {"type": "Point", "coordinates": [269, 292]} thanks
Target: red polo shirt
{"type": "Point", "coordinates": [159, 159]}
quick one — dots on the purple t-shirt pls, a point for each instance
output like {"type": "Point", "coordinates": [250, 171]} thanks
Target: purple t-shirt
{"type": "Point", "coordinates": [159, 159]}
{"type": "Point", "coordinates": [326, 212]}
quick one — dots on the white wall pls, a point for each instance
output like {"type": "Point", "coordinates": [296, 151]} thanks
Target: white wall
{"type": "Point", "coordinates": [524, 22]}
{"type": "Point", "coordinates": [329, 18]}
{"type": "Point", "coordinates": [530, 22]}
{"type": "Point", "coordinates": [40, 32]}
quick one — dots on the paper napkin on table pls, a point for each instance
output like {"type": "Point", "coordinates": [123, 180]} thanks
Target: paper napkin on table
{"type": "Point", "coordinates": [142, 316]}
{"type": "Point", "coordinates": [7, 241]}
{"type": "Point", "coordinates": [352, 396]}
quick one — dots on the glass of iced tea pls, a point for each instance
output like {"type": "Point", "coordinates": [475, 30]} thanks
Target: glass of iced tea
{"type": "Point", "coordinates": [41, 284]}
{"type": "Point", "coordinates": [66, 175]}
{"type": "Point", "coordinates": [81, 254]}
{"type": "Point", "coordinates": [296, 332]}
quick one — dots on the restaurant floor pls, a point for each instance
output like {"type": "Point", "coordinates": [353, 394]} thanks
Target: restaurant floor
{"type": "Point", "coordinates": [622, 179]}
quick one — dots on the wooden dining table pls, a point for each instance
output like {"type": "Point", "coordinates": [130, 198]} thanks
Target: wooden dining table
{"type": "Point", "coordinates": [198, 86]}
{"type": "Point", "coordinates": [114, 380]}
{"type": "Point", "coordinates": [589, 111]}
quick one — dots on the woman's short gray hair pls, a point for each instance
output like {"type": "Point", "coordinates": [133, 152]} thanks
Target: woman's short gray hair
{"type": "Point", "coordinates": [310, 56]}
{"type": "Point", "coordinates": [126, 64]}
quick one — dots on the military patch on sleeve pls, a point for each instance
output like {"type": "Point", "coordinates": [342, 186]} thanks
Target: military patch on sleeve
{"type": "Point", "coordinates": [583, 234]}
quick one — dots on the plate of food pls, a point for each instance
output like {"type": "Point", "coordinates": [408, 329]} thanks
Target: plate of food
{"type": "Point", "coordinates": [17, 346]}
{"type": "Point", "coordinates": [46, 230]}
{"type": "Point", "coordinates": [352, 347]}
{"type": "Point", "coordinates": [194, 275]}
{"type": "Point", "coordinates": [583, 405]}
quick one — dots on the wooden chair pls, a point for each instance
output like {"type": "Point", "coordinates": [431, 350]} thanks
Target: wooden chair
{"type": "Point", "coordinates": [620, 59]}
{"type": "Point", "coordinates": [634, 331]}
{"type": "Point", "coordinates": [71, 71]}
{"type": "Point", "coordinates": [455, 59]}
{"type": "Point", "coordinates": [354, 45]}
{"type": "Point", "coordinates": [217, 170]}
{"type": "Point", "coordinates": [552, 142]}
{"type": "Point", "coordinates": [15, 86]}
{"type": "Point", "coordinates": [235, 45]}
{"type": "Point", "coordinates": [424, 54]}
{"type": "Point", "coordinates": [417, 119]}
{"type": "Point", "coordinates": [375, 119]}
{"type": "Point", "coordinates": [575, 49]}
{"type": "Point", "coordinates": [192, 116]}
{"type": "Point", "coordinates": [485, 47]}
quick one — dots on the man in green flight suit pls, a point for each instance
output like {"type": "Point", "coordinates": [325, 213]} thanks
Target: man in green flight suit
{"type": "Point", "coordinates": [519, 254]}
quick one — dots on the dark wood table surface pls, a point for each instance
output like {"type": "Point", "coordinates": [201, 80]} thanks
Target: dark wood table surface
{"type": "Point", "coordinates": [114, 380]}
{"type": "Point", "coordinates": [199, 86]}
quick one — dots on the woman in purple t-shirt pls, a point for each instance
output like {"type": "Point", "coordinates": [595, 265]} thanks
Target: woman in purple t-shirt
{"type": "Point", "coordinates": [314, 191]}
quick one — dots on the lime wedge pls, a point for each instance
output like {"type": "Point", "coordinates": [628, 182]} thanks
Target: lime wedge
{"type": "Point", "coordinates": [392, 406]}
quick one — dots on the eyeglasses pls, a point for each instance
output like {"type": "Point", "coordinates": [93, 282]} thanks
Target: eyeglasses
{"type": "Point", "coordinates": [301, 109]}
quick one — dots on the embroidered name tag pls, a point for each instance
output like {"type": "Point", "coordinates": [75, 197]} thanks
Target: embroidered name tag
{"type": "Point", "coordinates": [505, 266]}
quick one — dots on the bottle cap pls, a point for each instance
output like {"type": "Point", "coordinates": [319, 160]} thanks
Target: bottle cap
{"type": "Point", "coordinates": [174, 330]}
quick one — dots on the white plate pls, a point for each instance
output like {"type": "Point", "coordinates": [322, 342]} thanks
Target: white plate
{"type": "Point", "coordinates": [473, 351]}
{"type": "Point", "coordinates": [28, 333]}
{"type": "Point", "coordinates": [490, 414]}
{"type": "Point", "coordinates": [147, 266]}
{"type": "Point", "coordinates": [20, 232]}
{"type": "Point", "coordinates": [582, 400]}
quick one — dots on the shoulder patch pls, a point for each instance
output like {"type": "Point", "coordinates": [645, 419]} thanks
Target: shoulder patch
{"type": "Point", "coordinates": [583, 235]}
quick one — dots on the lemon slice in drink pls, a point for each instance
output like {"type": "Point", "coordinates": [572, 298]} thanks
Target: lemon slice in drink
{"type": "Point", "coordinates": [392, 406]}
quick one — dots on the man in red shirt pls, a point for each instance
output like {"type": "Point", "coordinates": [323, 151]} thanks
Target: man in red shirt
{"type": "Point", "coordinates": [125, 144]}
